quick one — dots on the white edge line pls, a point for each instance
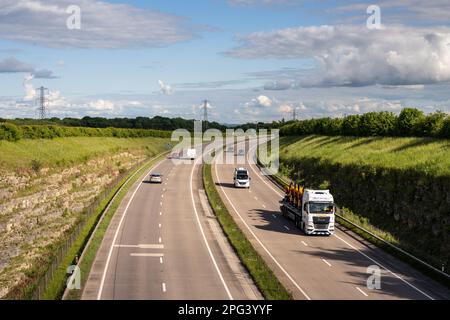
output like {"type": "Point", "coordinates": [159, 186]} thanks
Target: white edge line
{"type": "Point", "coordinates": [259, 241]}
{"type": "Point", "coordinates": [203, 233]}
{"type": "Point", "coordinates": [251, 164]}
{"type": "Point", "coordinates": [394, 274]}
{"type": "Point", "coordinates": [100, 290]}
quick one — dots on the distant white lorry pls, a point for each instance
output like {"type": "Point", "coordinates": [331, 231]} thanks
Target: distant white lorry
{"type": "Point", "coordinates": [241, 178]}
{"type": "Point", "coordinates": [191, 153]}
{"type": "Point", "coordinates": [313, 211]}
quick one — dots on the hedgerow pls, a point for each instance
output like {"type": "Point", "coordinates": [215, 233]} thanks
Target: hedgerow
{"type": "Point", "coordinates": [409, 123]}
{"type": "Point", "coordinates": [12, 132]}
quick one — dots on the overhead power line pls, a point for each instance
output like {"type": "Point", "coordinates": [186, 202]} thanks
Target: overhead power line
{"type": "Point", "coordinates": [43, 102]}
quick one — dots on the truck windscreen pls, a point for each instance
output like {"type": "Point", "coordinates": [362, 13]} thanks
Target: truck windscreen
{"type": "Point", "coordinates": [318, 207]}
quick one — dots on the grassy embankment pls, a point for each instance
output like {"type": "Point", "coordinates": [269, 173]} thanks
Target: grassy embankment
{"type": "Point", "coordinates": [263, 276]}
{"type": "Point", "coordinates": [395, 187]}
{"type": "Point", "coordinates": [44, 186]}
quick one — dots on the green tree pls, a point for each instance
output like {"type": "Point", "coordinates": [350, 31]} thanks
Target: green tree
{"type": "Point", "coordinates": [409, 122]}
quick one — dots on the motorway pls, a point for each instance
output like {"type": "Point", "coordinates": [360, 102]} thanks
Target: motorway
{"type": "Point", "coordinates": [314, 267]}
{"type": "Point", "coordinates": [164, 244]}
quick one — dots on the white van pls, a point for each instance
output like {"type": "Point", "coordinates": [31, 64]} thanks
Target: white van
{"type": "Point", "coordinates": [241, 178]}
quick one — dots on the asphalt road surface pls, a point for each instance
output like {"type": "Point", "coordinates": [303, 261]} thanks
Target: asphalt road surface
{"type": "Point", "coordinates": [161, 245]}
{"type": "Point", "coordinates": [314, 267]}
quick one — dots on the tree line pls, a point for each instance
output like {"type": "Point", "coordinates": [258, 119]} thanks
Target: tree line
{"type": "Point", "coordinates": [156, 123]}
{"type": "Point", "coordinates": [410, 122]}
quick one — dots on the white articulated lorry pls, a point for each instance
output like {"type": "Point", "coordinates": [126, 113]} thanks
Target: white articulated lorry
{"type": "Point", "coordinates": [313, 211]}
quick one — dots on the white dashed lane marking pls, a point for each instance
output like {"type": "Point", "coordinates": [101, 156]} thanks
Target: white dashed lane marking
{"type": "Point", "coordinates": [365, 294]}
{"type": "Point", "coordinates": [329, 264]}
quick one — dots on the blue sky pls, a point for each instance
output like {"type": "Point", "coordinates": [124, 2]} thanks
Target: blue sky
{"type": "Point", "coordinates": [253, 59]}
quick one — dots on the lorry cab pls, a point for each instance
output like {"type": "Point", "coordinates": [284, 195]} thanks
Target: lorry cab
{"type": "Point", "coordinates": [241, 178]}
{"type": "Point", "coordinates": [318, 211]}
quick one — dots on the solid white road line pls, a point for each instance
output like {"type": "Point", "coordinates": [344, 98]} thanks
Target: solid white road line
{"type": "Point", "coordinates": [258, 240]}
{"type": "Point", "coordinates": [329, 264]}
{"type": "Point", "coordinates": [365, 294]}
{"type": "Point", "coordinates": [203, 232]}
{"type": "Point", "coordinates": [397, 276]}
{"type": "Point", "coordinates": [102, 282]}
{"type": "Point", "coordinates": [153, 255]}
{"type": "Point", "coordinates": [257, 174]}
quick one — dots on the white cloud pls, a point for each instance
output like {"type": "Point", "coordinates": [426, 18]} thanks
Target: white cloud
{"type": "Point", "coordinates": [165, 89]}
{"type": "Point", "coordinates": [30, 91]}
{"type": "Point", "coordinates": [103, 25]}
{"type": "Point", "coordinates": [406, 11]}
{"type": "Point", "coordinates": [349, 55]}
{"type": "Point", "coordinates": [263, 101]}
{"type": "Point", "coordinates": [101, 105]}
{"type": "Point", "coordinates": [285, 108]}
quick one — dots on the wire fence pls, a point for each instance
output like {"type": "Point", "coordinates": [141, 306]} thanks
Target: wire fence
{"type": "Point", "coordinates": [66, 245]}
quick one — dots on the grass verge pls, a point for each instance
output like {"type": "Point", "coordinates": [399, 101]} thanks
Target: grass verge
{"type": "Point", "coordinates": [263, 276]}
{"type": "Point", "coordinates": [56, 286]}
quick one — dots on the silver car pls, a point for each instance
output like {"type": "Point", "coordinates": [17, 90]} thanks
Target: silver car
{"type": "Point", "coordinates": [155, 178]}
